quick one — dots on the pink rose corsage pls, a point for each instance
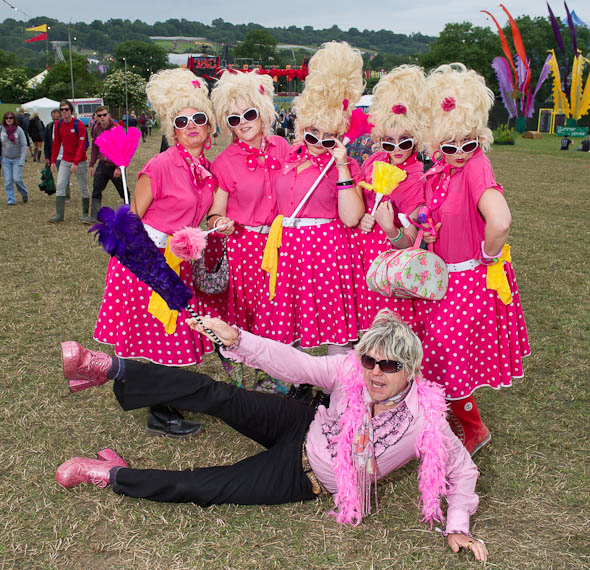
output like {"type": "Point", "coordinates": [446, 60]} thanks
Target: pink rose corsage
{"type": "Point", "coordinates": [196, 83]}
{"type": "Point", "coordinates": [261, 89]}
{"type": "Point", "coordinates": [345, 104]}
{"type": "Point", "coordinates": [448, 104]}
{"type": "Point", "coordinates": [399, 110]}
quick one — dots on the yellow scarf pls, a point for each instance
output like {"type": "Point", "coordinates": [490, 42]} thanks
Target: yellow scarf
{"type": "Point", "coordinates": [157, 306]}
{"type": "Point", "coordinates": [496, 277]}
{"type": "Point", "coordinates": [270, 259]}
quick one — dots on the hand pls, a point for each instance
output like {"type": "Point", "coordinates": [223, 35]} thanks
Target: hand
{"type": "Point", "coordinates": [73, 168]}
{"type": "Point", "coordinates": [228, 335]}
{"type": "Point", "coordinates": [385, 217]}
{"type": "Point", "coordinates": [117, 173]}
{"type": "Point", "coordinates": [367, 223]}
{"type": "Point", "coordinates": [91, 170]}
{"type": "Point", "coordinates": [228, 229]}
{"type": "Point", "coordinates": [53, 169]}
{"type": "Point", "coordinates": [338, 152]}
{"type": "Point", "coordinates": [47, 163]}
{"type": "Point", "coordinates": [457, 541]}
{"type": "Point", "coordinates": [431, 238]}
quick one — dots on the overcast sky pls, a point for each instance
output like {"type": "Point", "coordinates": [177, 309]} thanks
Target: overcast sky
{"type": "Point", "coordinates": [402, 16]}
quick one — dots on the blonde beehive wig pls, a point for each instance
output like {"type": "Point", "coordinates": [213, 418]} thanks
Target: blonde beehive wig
{"type": "Point", "coordinates": [398, 104]}
{"type": "Point", "coordinates": [171, 90]}
{"type": "Point", "coordinates": [246, 89]}
{"type": "Point", "coordinates": [458, 104]}
{"type": "Point", "coordinates": [332, 89]}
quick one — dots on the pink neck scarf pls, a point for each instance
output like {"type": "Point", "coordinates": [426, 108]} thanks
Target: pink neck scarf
{"type": "Point", "coordinates": [300, 154]}
{"type": "Point", "coordinates": [270, 162]}
{"type": "Point", "coordinates": [355, 465]}
{"type": "Point", "coordinates": [441, 190]}
{"type": "Point", "coordinates": [199, 168]}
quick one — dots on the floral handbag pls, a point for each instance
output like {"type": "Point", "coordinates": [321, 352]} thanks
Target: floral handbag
{"type": "Point", "coordinates": [411, 273]}
{"type": "Point", "coordinates": [214, 281]}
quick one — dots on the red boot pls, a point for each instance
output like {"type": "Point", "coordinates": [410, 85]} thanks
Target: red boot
{"type": "Point", "coordinates": [82, 367]}
{"type": "Point", "coordinates": [86, 470]}
{"type": "Point", "coordinates": [466, 423]}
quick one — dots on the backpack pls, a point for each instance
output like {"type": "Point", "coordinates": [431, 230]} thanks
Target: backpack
{"type": "Point", "coordinates": [76, 122]}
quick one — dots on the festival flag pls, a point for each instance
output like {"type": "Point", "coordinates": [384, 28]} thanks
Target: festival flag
{"type": "Point", "coordinates": [37, 38]}
{"type": "Point", "coordinates": [41, 28]}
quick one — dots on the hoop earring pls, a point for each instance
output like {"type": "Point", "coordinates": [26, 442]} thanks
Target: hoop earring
{"type": "Point", "coordinates": [207, 144]}
{"type": "Point", "coordinates": [438, 155]}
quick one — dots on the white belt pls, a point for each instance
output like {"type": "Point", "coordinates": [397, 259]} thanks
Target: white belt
{"type": "Point", "coordinates": [258, 229]}
{"type": "Point", "coordinates": [463, 266]}
{"type": "Point", "coordinates": [305, 222]}
{"type": "Point", "coordinates": [158, 237]}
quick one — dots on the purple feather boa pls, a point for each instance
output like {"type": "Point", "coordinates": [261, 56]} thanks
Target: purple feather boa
{"type": "Point", "coordinates": [123, 236]}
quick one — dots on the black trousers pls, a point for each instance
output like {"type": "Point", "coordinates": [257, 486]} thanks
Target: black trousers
{"type": "Point", "coordinates": [102, 175]}
{"type": "Point", "coordinates": [273, 476]}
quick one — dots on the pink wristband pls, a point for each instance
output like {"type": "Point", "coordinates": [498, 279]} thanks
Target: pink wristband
{"type": "Point", "coordinates": [485, 255]}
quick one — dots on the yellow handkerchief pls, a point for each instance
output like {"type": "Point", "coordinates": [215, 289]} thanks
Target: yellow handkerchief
{"type": "Point", "coordinates": [270, 259]}
{"type": "Point", "coordinates": [157, 306]}
{"type": "Point", "coordinates": [496, 277]}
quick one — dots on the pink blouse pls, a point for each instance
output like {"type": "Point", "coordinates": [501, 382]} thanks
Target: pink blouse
{"type": "Point", "coordinates": [177, 201]}
{"type": "Point", "coordinates": [251, 198]}
{"type": "Point", "coordinates": [462, 228]}
{"type": "Point", "coordinates": [408, 195]}
{"type": "Point", "coordinates": [323, 203]}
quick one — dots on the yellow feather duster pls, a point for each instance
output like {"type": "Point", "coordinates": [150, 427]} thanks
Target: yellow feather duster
{"type": "Point", "coordinates": [386, 178]}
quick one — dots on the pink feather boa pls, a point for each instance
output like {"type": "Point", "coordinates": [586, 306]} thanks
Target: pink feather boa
{"type": "Point", "coordinates": [352, 500]}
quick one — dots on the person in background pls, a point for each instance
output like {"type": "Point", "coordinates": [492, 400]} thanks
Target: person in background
{"type": "Point", "coordinates": [143, 126]}
{"type": "Point", "coordinates": [105, 170]}
{"type": "Point", "coordinates": [585, 145]}
{"type": "Point", "coordinates": [565, 143]}
{"type": "Point", "coordinates": [23, 119]}
{"type": "Point", "coordinates": [71, 133]}
{"type": "Point", "coordinates": [14, 154]}
{"type": "Point", "coordinates": [36, 132]}
{"type": "Point", "coordinates": [132, 119]}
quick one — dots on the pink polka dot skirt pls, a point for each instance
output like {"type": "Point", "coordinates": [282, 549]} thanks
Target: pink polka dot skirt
{"type": "Point", "coordinates": [472, 339]}
{"type": "Point", "coordinates": [123, 321]}
{"type": "Point", "coordinates": [315, 298]}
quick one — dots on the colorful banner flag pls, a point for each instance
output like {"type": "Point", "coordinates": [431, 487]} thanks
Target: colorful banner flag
{"type": "Point", "coordinates": [41, 28]}
{"type": "Point", "coordinates": [37, 38]}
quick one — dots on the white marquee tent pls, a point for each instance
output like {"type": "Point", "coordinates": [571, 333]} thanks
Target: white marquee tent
{"type": "Point", "coordinates": [43, 106]}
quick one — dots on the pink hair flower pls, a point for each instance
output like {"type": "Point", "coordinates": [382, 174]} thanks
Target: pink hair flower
{"type": "Point", "coordinates": [261, 89]}
{"type": "Point", "coordinates": [399, 110]}
{"type": "Point", "coordinates": [345, 104]}
{"type": "Point", "coordinates": [196, 83]}
{"type": "Point", "coordinates": [448, 104]}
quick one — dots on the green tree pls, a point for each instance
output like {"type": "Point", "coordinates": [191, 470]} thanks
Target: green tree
{"type": "Point", "coordinates": [57, 83]}
{"type": "Point", "coordinates": [113, 91]}
{"type": "Point", "coordinates": [142, 58]}
{"type": "Point", "coordinates": [13, 87]}
{"type": "Point", "coordinates": [474, 46]}
{"type": "Point", "coordinates": [259, 45]}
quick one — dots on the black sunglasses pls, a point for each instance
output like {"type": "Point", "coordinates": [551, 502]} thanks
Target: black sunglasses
{"type": "Point", "coordinates": [467, 147]}
{"type": "Point", "coordinates": [386, 366]}
{"type": "Point", "coordinates": [199, 119]}
{"type": "Point", "coordinates": [404, 145]}
{"type": "Point", "coordinates": [248, 116]}
{"type": "Point", "coordinates": [101, 114]}
{"type": "Point", "coordinates": [311, 139]}
{"type": "Point", "coordinates": [64, 109]}
{"type": "Point", "coordinates": [11, 118]}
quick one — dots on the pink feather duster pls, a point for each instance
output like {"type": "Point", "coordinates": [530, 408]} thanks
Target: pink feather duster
{"type": "Point", "coordinates": [119, 146]}
{"type": "Point", "coordinates": [359, 125]}
{"type": "Point", "coordinates": [188, 243]}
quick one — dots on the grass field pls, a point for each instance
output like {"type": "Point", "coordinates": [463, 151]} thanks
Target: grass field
{"type": "Point", "coordinates": [534, 485]}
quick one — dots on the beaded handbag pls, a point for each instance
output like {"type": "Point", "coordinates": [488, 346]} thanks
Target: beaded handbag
{"type": "Point", "coordinates": [215, 281]}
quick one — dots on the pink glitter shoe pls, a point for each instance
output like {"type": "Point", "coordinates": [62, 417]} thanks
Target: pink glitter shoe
{"type": "Point", "coordinates": [82, 367]}
{"type": "Point", "coordinates": [86, 470]}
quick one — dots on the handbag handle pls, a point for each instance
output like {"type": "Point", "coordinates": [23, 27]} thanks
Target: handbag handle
{"type": "Point", "coordinates": [419, 240]}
